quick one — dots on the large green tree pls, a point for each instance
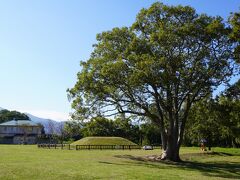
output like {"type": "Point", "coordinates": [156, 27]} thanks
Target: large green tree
{"type": "Point", "coordinates": [234, 20]}
{"type": "Point", "coordinates": [216, 120]}
{"type": "Point", "coordinates": [157, 68]}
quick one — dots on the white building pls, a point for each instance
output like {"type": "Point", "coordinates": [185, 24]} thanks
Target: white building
{"type": "Point", "coordinates": [19, 132]}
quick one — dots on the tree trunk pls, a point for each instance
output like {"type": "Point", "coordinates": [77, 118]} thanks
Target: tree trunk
{"type": "Point", "coordinates": [170, 149]}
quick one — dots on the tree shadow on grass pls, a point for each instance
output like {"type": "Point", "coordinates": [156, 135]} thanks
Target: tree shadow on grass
{"type": "Point", "coordinates": [219, 169]}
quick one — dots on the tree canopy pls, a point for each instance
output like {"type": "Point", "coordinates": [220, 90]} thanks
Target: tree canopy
{"type": "Point", "coordinates": [234, 20]}
{"type": "Point", "coordinates": [6, 115]}
{"type": "Point", "coordinates": [168, 59]}
{"type": "Point", "coordinates": [216, 119]}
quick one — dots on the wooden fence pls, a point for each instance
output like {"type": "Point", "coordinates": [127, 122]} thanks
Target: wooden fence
{"type": "Point", "coordinates": [88, 147]}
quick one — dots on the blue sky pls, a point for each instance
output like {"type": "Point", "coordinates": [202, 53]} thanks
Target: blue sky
{"type": "Point", "coordinates": [42, 43]}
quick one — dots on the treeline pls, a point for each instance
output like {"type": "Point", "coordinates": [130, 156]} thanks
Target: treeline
{"type": "Point", "coordinates": [6, 115]}
{"type": "Point", "coordinates": [215, 119]}
{"type": "Point", "coordinates": [121, 127]}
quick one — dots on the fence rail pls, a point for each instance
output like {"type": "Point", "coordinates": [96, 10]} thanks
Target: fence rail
{"type": "Point", "coordinates": [88, 147]}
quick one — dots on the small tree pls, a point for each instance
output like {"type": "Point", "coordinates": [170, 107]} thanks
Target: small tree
{"type": "Point", "coordinates": [98, 126]}
{"type": "Point", "coordinates": [73, 130]}
{"type": "Point", "coordinates": [168, 59]}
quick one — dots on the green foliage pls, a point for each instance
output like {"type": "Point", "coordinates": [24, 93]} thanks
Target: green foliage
{"type": "Point", "coordinates": [157, 68]}
{"type": "Point", "coordinates": [234, 20]}
{"type": "Point", "coordinates": [229, 118]}
{"type": "Point", "coordinates": [233, 92]}
{"type": "Point", "coordinates": [73, 129]}
{"type": "Point", "coordinates": [150, 134]}
{"type": "Point", "coordinates": [6, 115]}
{"type": "Point", "coordinates": [125, 128]}
{"type": "Point", "coordinates": [98, 126]}
{"type": "Point", "coordinates": [203, 123]}
{"type": "Point", "coordinates": [168, 52]}
{"type": "Point", "coordinates": [217, 120]}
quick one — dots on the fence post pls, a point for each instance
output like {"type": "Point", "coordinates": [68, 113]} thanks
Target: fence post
{"type": "Point", "coordinates": [88, 147]}
{"type": "Point", "coordinates": [69, 147]}
{"type": "Point", "coordinates": [62, 146]}
{"type": "Point", "coordinates": [55, 146]}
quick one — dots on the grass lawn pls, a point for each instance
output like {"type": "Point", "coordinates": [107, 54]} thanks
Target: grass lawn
{"type": "Point", "coordinates": [29, 162]}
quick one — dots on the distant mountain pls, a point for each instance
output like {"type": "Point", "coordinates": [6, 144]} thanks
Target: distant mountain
{"type": "Point", "coordinates": [50, 126]}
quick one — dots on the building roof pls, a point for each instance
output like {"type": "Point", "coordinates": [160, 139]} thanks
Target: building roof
{"type": "Point", "coordinates": [19, 123]}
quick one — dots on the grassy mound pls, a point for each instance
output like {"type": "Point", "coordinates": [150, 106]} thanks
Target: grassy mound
{"type": "Point", "coordinates": [103, 141]}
